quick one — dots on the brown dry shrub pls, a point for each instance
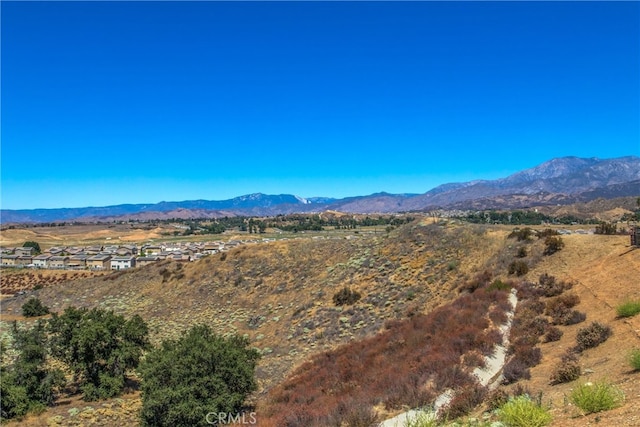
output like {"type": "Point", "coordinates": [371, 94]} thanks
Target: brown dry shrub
{"type": "Point", "coordinates": [592, 336]}
{"type": "Point", "coordinates": [566, 370]}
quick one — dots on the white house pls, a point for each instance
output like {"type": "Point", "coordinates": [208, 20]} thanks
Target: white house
{"type": "Point", "coordinates": [122, 262]}
{"type": "Point", "coordinates": [41, 261]}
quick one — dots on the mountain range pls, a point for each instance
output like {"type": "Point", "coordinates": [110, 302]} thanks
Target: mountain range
{"type": "Point", "coordinates": [562, 180]}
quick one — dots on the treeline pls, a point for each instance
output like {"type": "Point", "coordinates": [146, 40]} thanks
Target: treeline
{"type": "Point", "coordinates": [93, 352]}
{"type": "Point", "coordinates": [521, 218]}
{"type": "Point", "coordinates": [297, 223]}
{"type": "Point", "coordinates": [291, 223]}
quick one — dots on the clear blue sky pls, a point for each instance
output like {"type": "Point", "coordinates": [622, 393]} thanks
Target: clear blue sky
{"type": "Point", "coordinates": [137, 102]}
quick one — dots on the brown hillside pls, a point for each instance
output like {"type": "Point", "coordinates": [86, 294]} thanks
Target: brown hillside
{"type": "Point", "coordinates": [280, 295]}
{"type": "Point", "coordinates": [605, 272]}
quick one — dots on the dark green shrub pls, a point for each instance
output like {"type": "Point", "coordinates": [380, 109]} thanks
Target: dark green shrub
{"type": "Point", "coordinates": [99, 347]}
{"type": "Point", "coordinates": [34, 245]}
{"type": "Point", "coordinates": [499, 285]}
{"type": "Point", "coordinates": [34, 308]}
{"type": "Point", "coordinates": [28, 384]}
{"type": "Point", "coordinates": [202, 372]}
{"type": "Point", "coordinates": [346, 296]}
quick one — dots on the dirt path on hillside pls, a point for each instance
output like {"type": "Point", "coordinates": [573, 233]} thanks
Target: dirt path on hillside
{"type": "Point", "coordinates": [489, 376]}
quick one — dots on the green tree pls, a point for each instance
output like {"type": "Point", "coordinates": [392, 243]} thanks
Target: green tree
{"type": "Point", "coordinates": [28, 384]}
{"type": "Point", "coordinates": [34, 307]}
{"type": "Point", "coordinates": [99, 347]}
{"type": "Point", "coordinates": [200, 373]}
{"type": "Point", "coordinates": [34, 245]}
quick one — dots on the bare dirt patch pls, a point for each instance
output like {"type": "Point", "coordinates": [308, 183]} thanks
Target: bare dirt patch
{"type": "Point", "coordinates": [605, 272]}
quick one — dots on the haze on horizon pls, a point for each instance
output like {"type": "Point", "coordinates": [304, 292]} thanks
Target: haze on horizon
{"type": "Point", "coordinates": [108, 103]}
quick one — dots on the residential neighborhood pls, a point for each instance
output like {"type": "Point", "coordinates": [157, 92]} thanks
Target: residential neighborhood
{"type": "Point", "coordinates": [112, 257]}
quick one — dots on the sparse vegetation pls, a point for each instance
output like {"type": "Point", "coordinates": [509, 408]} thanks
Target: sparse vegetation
{"type": "Point", "coordinates": [391, 367]}
{"type": "Point", "coordinates": [280, 295]}
{"type": "Point", "coordinates": [596, 397]}
{"type": "Point", "coordinates": [628, 308]}
{"type": "Point", "coordinates": [521, 411]}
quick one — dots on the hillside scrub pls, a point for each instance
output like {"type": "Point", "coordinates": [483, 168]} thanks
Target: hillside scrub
{"type": "Point", "coordinates": [390, 369]}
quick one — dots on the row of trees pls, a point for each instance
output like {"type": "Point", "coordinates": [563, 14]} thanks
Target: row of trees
{"type": "Point", "coordinates": [181, 380]}
{"type": "Point", "coordinates": [292, 223]}
{"type": "Point", "coordinates": [518, 217]}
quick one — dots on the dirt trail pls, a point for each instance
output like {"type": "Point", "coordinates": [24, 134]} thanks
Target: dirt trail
{"type": "Point", "coordinates": [489, 376]}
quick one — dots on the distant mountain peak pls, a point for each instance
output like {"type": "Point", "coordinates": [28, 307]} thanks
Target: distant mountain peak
{"type": "Point", "coordinates": [560, 180]}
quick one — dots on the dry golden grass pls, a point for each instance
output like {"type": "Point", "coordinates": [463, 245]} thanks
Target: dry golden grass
{"type": "Point", "coordinates": [82, 235]}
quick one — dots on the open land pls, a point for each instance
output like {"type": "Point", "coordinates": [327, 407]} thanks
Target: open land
{"type": "Point", "coordinates": [279, 294]}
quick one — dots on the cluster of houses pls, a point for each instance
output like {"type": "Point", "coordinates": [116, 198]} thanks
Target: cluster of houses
{"type": "Point", "coordinates": [113, 257]}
